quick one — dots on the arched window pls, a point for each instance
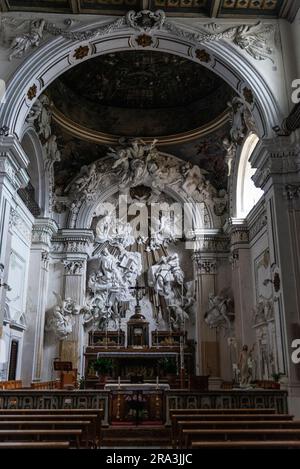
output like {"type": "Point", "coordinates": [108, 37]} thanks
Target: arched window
{"type": "Point", "coordinates": [247, 193]}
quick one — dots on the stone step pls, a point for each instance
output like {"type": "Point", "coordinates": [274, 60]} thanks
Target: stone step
{"type": "Point", "coordinates": [131, 436]}
{"type": "Point", "coordinates": [135, 442]}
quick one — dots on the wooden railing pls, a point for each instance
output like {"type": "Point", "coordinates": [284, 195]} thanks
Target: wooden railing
{"type": "Point", "coordinates": [55, 399]}
{"type": "Point", "coordinates": [11, 384]}
{"type": "Point", "coordinates": [45, 385]}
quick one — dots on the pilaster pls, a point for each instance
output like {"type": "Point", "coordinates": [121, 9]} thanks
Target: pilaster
{"type": "Point", "coordinates": [42, 233]}
{"type": "Point", "coordinates": [74, 247]}
{"type": "Point", "coordinates": [278, 174]}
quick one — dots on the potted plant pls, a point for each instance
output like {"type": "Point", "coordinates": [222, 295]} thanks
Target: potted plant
{"type": "Point", "coordinates": [103, 366]}
{"type": "Point", "coordinates": [276, 377]}
{"type": "Point", "coordinates": [168, 365]}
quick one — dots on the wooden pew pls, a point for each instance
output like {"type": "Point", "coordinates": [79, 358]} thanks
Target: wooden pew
{"type": "Point", "coordinates": [200, 425]}
{"type": "Point", "coordinates": [95, 415]}
{"type": "Point", "coordinates": [85, 426]}
{"type": "Point", "coordinates": [222, 411]}
{"type": "Point", "coordinates": [240, 434]}
{"type": "Point", "coordinates": [34, 445]}
{"type": "Point", "coordinates": [246, 444]}
{"type": "Point", "coordinates": [175, 418]}
{"type": "Point", "coordinates": [94, 431]}
{"type": "Point", "coordinates": [72, 435]}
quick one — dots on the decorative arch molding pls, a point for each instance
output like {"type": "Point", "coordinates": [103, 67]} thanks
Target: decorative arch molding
{"type": "Point", "coordinates": [194, 214]}
{"type": "Point", "coordinates": [36, 158]}
{"type": "Point", "coordinates": [58, 54]}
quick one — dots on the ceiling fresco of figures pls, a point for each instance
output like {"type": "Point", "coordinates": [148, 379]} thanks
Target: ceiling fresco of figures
{"type": "Point", "coordinates": [208, 8]}
{"type": "Point", "coordinates": [140, 94]}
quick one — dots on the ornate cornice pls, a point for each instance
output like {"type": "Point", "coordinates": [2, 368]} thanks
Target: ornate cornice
{"type": "Point", "coordinates": [13, 162]}
{"type": "Point", "coordinates": [43, 230]}
{"type": "Point", "coordinates": [238, 230]}
{"type": "Point", "coordinates": [209, 242]}
{"type": "Point", "coordinates": [273, 159]}
{"type": "Point", "coordinates": [73, 242]}
{"type": "Point", "coordinates": [256, 39]}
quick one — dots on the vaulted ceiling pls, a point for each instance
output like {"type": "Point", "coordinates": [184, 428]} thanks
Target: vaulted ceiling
{"type": "Point", "coordinates": [207, 8]}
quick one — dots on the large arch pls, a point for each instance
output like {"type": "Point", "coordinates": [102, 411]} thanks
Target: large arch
{"type": "Point", "coordinates": [56, 56]}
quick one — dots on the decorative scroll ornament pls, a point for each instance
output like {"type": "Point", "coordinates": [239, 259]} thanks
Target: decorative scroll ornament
{"type": "Point", "coordinates": [145, 20]}
{"type": "Point", "coordinates": [253, 39]}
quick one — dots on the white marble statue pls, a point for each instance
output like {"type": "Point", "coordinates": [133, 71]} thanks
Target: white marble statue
{"type": "Point", "coordinates": [246, 366]}
{"type": "Point", "coordinates": [230, 148]}
{"type": "Point", "coordinates": [52, 151]}
{"type": "Point", "coordinates": [165, 274]}
{"type": "Point", "coordinates": [23, 42]}
{"type": "Point", "coordinates": [220, 307]}
{"type": "Point", "coordinates": [241, 120]}
{"type": "Point", "coordinates": [60, 319]}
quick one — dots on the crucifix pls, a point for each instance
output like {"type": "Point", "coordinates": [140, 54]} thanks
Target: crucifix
{"type": "Point", "coordinates": [139, 293]}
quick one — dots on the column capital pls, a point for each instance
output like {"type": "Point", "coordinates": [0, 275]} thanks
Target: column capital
{"type": "Point", "coordinates": [74, 267]}
{"type": "Point", "coordinates": [275, 160]}
{"type": "Point", "coordinates": [13, 161]}
{"type": "Point", "coordinates": [204, 265]}
{"type": "Point", "coordinates": [73, 244]}
{"type": "Point", "coordinates": [43, 230]}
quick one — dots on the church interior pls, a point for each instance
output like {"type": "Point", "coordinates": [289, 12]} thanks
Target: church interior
{"type": "Point", "coordinates": [149, 217]}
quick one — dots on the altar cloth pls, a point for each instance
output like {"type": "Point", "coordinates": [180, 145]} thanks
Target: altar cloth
{"type": "Point", "coordinates": [136, 387]}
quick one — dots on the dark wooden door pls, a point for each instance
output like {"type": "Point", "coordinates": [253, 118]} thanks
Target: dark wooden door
{"type": "Point", "coordinates": [13, 360]}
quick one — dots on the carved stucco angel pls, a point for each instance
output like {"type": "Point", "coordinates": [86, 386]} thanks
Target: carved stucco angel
{"type": "Point", "coordinates": [23, 42]}
{"type": "Point", "coordinates": [254, 40]}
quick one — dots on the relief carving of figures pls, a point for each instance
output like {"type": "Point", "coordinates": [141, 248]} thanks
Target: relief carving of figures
{"type": "Point", "coordinates": [163, 232]}
{"type": "Point", "coordinates": [167, 279]}
{"type": "Point", "coordinates": [263, 311]}
{"type": "Point", "coordinates": [22, 43]}
{"type": "Point", "coordinates": [60, 319]}
{"type": "Point", "coordinates": [114, 231]}
{"type": "Point", "coordinates": [87, 181]}
{"type": "Point", "coordinates": [165, 274]}
{"type": "Point", "coordinates": [220, 311]}
{"type": "Point", "coordinates": [111, 284]}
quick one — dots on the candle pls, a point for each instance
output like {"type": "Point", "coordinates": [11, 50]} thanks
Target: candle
{"type": "Point", "coordinates": [119, 381]}
{"type": "Point", "coordinates": [157, 380]}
